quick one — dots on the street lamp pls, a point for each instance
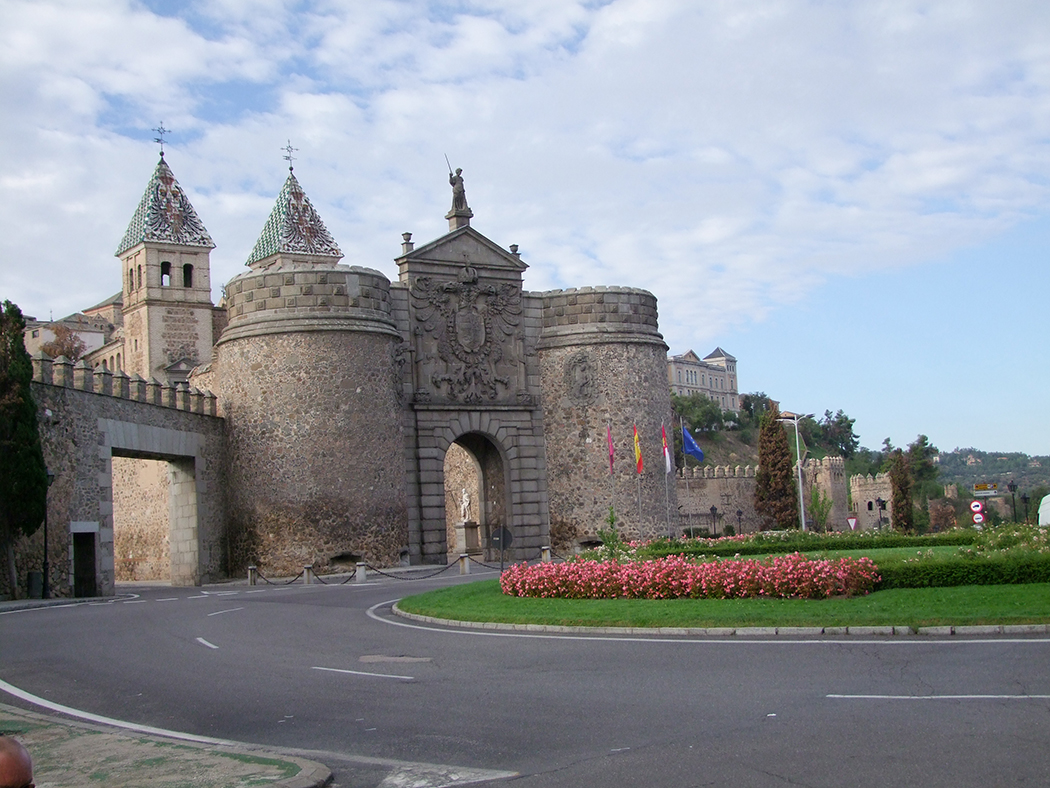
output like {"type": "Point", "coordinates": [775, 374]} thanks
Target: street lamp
{"type": "Point", "coordinates": [1025, 499]}
{"type": "Point", "coordinates": [45, 590]}
{"type": "Point", "coordinates": [1012, 487]}
{"type": "Point", "coordinates": [788, 416]}
{"type": "Point", "coordinates": [881, 504]}
{"type": "Point", "coordinates": [714, 521]}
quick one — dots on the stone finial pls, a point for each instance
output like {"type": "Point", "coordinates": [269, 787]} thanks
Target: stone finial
{"type": "Point", "coordinates": [42, 367]}
{"type": "Point", "coordinates": [138, 388]}
{"type": "Point", "coordinates": [62, 372]}
{"type": "Point", "coordinates": [83, 376]}
{"type": "Point", "coordinates": [121, 385]}
{"type": "Point", "coordinates": [406, 243]}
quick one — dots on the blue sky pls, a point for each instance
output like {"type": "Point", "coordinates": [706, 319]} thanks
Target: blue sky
{"type": "Point", "coordinates": [851, 198]}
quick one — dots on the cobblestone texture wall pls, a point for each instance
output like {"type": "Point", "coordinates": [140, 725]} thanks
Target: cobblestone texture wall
{"type": "Point", "coordinates": [603, 365]}
{"type": "Point", "coordinates": [314, 441]}
{"type": "Point", "coordinates": [728, 488]}
{"type": "Point", "coordinates": [865, 490]}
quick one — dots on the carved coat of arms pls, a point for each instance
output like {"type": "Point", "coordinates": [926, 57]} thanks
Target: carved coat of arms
{"type": "Point", "coordinates": [469, 322]}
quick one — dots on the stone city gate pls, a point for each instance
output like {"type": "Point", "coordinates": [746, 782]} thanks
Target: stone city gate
{"type": "Point", "coordinates": [88, 418]}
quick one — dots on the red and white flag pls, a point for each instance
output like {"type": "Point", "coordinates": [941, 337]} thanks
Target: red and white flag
{"type": "Point", "coordinates": [667, 451]}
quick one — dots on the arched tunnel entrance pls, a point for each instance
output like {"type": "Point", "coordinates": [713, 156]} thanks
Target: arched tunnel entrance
{"type": "Point", "coordinates": [475, 496]}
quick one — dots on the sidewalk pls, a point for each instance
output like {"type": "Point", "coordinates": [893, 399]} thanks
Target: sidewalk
{"type": "Point", "coordinates": [71, 754]}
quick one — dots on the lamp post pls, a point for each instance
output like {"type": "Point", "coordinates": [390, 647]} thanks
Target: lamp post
{"type": "Point", "coordinates": [1025, 499]}
{"type": "Point", "coordinates": [881, 504]}
{"type": "Point", "coordinates": [1012, 487]}
{"type": "Point", "coordinates": [45, 590]}
{"type": "Point", "coordinates": [714, 521]}
{"type": "Point", "coordinates": [794, 418]}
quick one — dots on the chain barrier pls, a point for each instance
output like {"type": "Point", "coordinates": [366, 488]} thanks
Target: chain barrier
{"type": "Point", "coordinates": [268, 581]}
{"type": "Point", "coordinates": [479, 563]}
{"type": "Point", "coordinates": [422, 577]}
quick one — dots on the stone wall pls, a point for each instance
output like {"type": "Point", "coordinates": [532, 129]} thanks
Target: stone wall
{"type": "Point", "coordinates": [314, 439]}
{"type": "Point", "coordinates": [865, 490]}
{"type": "Point", "coordinates": [603, 364]}
{"type": "Point", "coordinates": [728, 488]}
{"type": "Point", "coordinates": [87, 419]}
{"type": "Point", "coordinates": [829, 476]}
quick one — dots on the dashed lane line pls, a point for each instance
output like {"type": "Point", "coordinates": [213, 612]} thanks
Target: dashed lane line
{"type": "Point", "coordinates": [220, 612]}
{"type": "Point", "coordinates": [204, 642]}
{"type": "Point", "coordinates": [363, 673]}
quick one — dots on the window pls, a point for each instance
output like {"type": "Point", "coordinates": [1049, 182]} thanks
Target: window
{"type": "Point", "coordinates": [36, 333]}
{"type": "Point", "coordinates": [131, 279]}
{"type": "Point", "coordinates": [165, 274]}
{"type": "Point", "coordinates": [870, 506]}
{"type": "Point", "coordinates": [118, 361]}
{"type": "Point", "coordinates": [187, 275]}
{"type": "Point", "coordinates": [140, 276]}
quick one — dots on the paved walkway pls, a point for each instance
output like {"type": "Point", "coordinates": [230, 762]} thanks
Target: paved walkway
{"type": "Point", "coordinates": [74, 754]}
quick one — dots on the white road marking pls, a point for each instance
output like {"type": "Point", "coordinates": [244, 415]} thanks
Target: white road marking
{"type": "Point", "coordinates": [169, 599]}
{"type": "Point", "coordinates": [940, 697]}
{"type": "Point", "coordinates": [256, 591]}
{"type": "Point", "coordinates": [134, 602]}
{"type": "Point", "coordinates": [362, 673]}
{"type": "Point", "coordinates": [204, 642]}
{"type": "Point", "coordinates": [202, 596]}
{"type": "Point", "coordinates": [220, 612]}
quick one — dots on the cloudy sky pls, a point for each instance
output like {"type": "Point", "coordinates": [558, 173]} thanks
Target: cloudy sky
{"type": "Point", "coordinates": [852, 198]}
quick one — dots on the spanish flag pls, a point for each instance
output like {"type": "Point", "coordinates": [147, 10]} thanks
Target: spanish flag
{"type": "Point", "coordinates": [637, 450]}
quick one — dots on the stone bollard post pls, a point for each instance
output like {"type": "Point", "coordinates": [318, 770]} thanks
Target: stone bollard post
{"type": "Point", "coordinates": [252, 575]}
{"type": "Point", "coordinates": [308, 575]}
{"type": "Point", "coordinates": [545, 554]}
{"type": "Point", "coordinates": [464, 564]}
{"type": "Point", "coordinates": [360, 577]}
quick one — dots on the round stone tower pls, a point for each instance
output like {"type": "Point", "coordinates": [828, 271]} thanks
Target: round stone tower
{"type": "Point", "coordinates": [604, 369]}
{"type": "Point", "coordinates": [307, 375]}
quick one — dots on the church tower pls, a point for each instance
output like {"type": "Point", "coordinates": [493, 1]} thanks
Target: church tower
{"type": "Point", "coordinates": [165, 262]}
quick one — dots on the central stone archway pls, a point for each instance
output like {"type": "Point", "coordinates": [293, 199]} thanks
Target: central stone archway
{"type": "Point", "coordinates": [475, 496]}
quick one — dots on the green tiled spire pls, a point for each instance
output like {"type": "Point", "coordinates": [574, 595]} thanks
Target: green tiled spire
{"type": "Point", "coordinates": [294, 227]}
{"type": "Point", "coordinates": [165, 215]}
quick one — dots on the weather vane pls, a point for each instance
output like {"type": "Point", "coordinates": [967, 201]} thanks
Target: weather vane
{"type": "Point", "coordinates": [288, 157]}
{"type": "Point", "coordinates": [161, 131]}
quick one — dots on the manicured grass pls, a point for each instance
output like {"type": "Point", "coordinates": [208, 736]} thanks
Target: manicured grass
{"type": "Point", "coordinates": [960, 605]}
{"type": "Point", "coordinates": [888, 554]}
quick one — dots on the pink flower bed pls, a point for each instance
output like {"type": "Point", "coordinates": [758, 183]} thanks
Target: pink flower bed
{"type": "Point", "coordinates": [675, 577]}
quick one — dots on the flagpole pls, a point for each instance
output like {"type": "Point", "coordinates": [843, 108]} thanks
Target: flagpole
{"type": "Point", "coordinates": [667, 492]}
{"type": "Point", "coordinates": [685, 473]}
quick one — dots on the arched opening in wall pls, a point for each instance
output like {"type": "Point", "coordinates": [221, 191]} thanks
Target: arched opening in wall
{"type": "Point", "coordinates": [165, 274]}
{"type": "Point", "coordinates": [187, 275]}
{"type": "Point", "coordinates": [475, 496]}
{"type": "Point", "coordinates": [141, 520]}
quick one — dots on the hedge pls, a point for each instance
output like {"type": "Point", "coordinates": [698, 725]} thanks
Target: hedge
{"type": "Point", "coordinates": [966, 571]}
{"type": "Point", "coordinates": [803, 542]}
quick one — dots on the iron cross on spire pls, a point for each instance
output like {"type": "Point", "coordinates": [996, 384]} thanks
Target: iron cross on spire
{"type": "Point", "coordinates": [288, 157]}
{"type": "Point", "coordinates": [161, 131]}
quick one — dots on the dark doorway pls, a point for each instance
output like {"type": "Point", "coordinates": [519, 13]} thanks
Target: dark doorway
{"type": "Point", "coordinates": [84, 581]}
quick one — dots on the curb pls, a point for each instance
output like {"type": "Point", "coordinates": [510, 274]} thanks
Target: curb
{"type": "Point", "coordinates": [880, 631]}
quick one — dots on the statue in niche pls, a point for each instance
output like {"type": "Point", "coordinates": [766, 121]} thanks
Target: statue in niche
{"type": "Point", "coordinates": [459, 191]}
{"type": "Point", "coordinates": [464, 506]}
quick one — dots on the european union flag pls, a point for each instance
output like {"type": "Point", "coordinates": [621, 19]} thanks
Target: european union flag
{"type": "Point", "coordinates": [689, 445]}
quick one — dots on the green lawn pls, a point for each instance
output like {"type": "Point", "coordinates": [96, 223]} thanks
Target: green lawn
{"type": "Point", "coordinates": [483, 601]}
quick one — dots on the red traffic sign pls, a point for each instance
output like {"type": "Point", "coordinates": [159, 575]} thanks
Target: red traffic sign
{"type": "Point", "coordinates": [978, 518]}
{"type": "Point", "coordinates": [976, 506]}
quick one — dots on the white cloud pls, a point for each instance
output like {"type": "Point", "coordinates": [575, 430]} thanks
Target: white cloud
{"type": "Point", "coordinates": [730, 154]}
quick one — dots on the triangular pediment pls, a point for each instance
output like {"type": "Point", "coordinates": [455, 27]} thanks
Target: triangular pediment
{"type": "Point", "coordinates": [689, 355]}
{"type": "Point", "coordinates": [462, 247]}
{"type": "Point", "coordinates": [183, 365]}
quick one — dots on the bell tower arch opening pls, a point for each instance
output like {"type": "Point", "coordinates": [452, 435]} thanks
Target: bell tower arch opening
{"type": "Point", "coordinates": [475, 496]}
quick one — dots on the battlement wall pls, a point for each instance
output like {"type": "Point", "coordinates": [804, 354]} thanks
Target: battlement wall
{"type": "Point", "coordinates": [64, 373]}
{"type": "Point", "coordinates": [718, 472]}
{"type": "Point", "coordinates": [729, 489]}
{"type": "Point", "coordinates": [336, 298]}
{"type": "Point", "coordinates": [865, 491]}
{"type": "Point", "coordinates": [587, 315]}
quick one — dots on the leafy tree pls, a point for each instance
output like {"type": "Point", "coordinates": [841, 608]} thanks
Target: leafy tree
{"type": "Point", "coordinates": [752, 406]}
{"type": "Point", "coordinates": [23, 476]}
{"type": "Point", "coordinates": [776, 499]}
{"type": "Point", "coordinates": [820, 504]}
{"type": "Point", "coordinates": [701, 413]}
{"type": "Point", "coordinates": [67, 342]}
{"type": "Point", "coordinates": [900, 491]}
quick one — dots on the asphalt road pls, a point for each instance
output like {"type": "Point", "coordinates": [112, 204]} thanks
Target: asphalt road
{"type": "Point", "coordinates": [327, 671]}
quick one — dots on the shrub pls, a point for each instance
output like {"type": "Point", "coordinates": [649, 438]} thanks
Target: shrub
{"type": "Point", "coordinates": [675, 577]}
{"type": "Point", "coordinates": [967, 571]}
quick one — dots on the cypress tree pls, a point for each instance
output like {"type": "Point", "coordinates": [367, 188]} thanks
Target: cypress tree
{"type": "Point", "coordinates": [776, 499]}
{"type": "Point", "coordinates": [900, 492]}
{"type": "Point", "coordinates": [23, 475]}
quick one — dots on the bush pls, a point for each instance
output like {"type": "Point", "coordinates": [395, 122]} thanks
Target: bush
{"type": "Point", "coordinates": [967, 571]}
